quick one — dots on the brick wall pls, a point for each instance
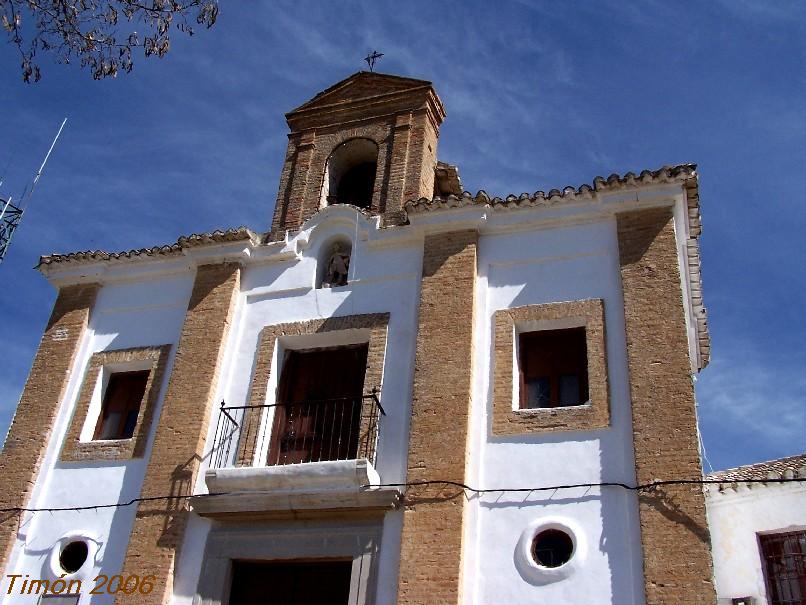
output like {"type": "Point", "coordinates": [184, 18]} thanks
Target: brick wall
{"type": "Point", "coordinates": [407, 144]}
{"type": "Point", "coordinates": [181, 431]}
{"type": "Point", "coordinates": [31, 428]}
{"type": "Point", "coordinates": [406, 132]}
{"type": "Point", "coordinates": [431, 548]}
{"type": "Point", "coordinates": [674, 532]}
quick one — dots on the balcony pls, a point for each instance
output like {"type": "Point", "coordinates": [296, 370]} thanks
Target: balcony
{"type": "Point", "coordinates": [310, 455]}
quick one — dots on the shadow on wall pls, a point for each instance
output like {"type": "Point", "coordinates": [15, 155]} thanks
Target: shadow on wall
{"type": "Point", "coordinates": [662, 500]}
{"type": "Point", "coordinates": [619, 538]}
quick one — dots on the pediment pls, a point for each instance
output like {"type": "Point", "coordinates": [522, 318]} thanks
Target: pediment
{"type": "Point", "coordinates": [362, 85]}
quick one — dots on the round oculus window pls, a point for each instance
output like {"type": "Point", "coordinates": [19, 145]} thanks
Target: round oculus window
{"type": "Point", "coordinates": [552, 548]}
{"type": "Point", "coordinates": [73, 556]}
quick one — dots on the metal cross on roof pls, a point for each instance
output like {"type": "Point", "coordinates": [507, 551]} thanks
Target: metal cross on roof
{"type": "Point", "coordinates": [371, 58]}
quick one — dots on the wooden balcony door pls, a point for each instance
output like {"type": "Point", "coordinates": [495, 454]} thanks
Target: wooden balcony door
{"type": "Point", "coordinates": [319, 405]}
{"type": "Point", "coordinates": [290, 583]}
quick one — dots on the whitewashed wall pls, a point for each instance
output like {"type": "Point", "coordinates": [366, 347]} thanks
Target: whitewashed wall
{"type": "Point", "coordinates": [384, 278]}
{"type": "Point", "coordinates": [126, 314]}
{"type": "Point", "coordinates": [736, 517]}
{"type": "Point", "coordinates": [524, 257]}
{"type": "Point", "coordinates": [559, 264]}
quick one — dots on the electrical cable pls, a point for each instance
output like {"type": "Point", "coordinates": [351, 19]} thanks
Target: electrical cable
{"type": "Point", "coordinates": [445, 482]}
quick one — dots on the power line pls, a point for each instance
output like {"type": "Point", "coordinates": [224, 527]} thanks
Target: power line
{"type": "Point", "coordinates": [445, 482]}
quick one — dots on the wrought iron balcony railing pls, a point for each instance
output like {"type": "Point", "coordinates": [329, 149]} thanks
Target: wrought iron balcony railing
{"type": "Point", "coordinates": [342, 428]}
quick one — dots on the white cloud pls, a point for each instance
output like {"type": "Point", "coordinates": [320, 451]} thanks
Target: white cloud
{"type": "Point", "coordinates": [743, 393]}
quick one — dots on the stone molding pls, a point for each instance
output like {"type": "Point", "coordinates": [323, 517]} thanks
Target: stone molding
{"type": "Point", "coordinates": [31, 428]}
{"type": "Point", "coordinates": [74, 449]}
{"type": "Point", "coordinates": [336, 537]}
{"type": "Point", "coordinates": [595, 415]}
{"type": "Point", "coordinates": [376, 323]}
{"type": "Point", "coordinates": [674, 532]}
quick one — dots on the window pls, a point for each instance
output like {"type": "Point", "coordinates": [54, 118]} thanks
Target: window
{"type": "Point", "coordinates": [318, 411]}
{"type": "Point", "coordinates": [290, 582]}
{"type": "Point", "coordinates": [116, 404]}
{"type": "Point", "coordinates": [73, 556]}
{"type": "Point", "coordinates": [553, 366]}
{"type": "Point", "coordinates": [350, 174]}
{"type": "Point", "coordinates": [550, 368]}
{"type": "Point", "coordinates": [121, 405]}
{"type": "Point", "coordinates": [552, 548]}
{"type": "Point", "coordinates": [784, 560]}
{"type": "Point", "coordinates": [52, 599]}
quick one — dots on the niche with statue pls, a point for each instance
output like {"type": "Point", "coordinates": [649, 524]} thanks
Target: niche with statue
{"type": "Point", "coordinates": [334, 264]}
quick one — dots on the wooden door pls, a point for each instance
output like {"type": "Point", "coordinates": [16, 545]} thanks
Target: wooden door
{"type": "Point", "coordinates": [290, 583]}
{"type": "Point", "coordinates": [319, 405]}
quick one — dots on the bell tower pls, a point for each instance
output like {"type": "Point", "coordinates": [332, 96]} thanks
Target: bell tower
{"type": "Point", "coordinates": [369, 141]}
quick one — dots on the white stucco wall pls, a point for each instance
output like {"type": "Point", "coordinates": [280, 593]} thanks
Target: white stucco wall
{"type": "Point", "coordinates": [384, 278]}
{"type": "Point", "coordinates": [563, 263]}
{"type": "Point", "coordinates": [126, 314]}
{"type": "Point", "coordinates": [736, 517]}
{"type": "Point", "coordinates": [538, 255]}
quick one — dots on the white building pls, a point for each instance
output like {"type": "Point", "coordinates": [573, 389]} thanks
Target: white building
{"type": "Point", "coordinates": [509, 345]}
{"type": "Point", "coordinates": [758, 531]}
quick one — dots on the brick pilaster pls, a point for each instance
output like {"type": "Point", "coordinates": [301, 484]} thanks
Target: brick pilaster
{"type": "Point", "coordinates": [674, 531]}
{"type": "Point", "coordinates": [181, 431]}
{"type": "Point", "coordinates": [421, 159]}
{"type": "Point", "coordinates": [30, 431]}
{"type": "Point", "coordinates": [431, 548]}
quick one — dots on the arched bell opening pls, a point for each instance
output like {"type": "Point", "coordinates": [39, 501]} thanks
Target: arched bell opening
{"type": "Point", "coordinates": [350, 174]}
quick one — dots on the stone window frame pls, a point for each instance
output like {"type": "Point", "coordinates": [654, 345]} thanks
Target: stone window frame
{"type": "Point", "coordinates": [507, 324]}
{"type": "Point", "coordinates": [290, 540]}
{"type": "Point", "coordinates": [267, 372]}
{"type": "Point", "coordinates": [101, 365]}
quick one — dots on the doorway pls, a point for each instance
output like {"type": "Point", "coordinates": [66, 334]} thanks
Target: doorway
{"type": "Point", "coordinates": [318, 410]}
{"type": "Point", "coordinates": [290, 582]}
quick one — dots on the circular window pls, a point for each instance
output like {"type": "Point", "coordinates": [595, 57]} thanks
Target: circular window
{"type": "Point", "coordinates": [552, 548]}
{"type": "Point", "coordinates": [73, 556]}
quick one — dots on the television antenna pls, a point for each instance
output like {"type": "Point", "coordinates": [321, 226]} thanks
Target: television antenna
{"type": "Point", "coordinates": [11, 213]}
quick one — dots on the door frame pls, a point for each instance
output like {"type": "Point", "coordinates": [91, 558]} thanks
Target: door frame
{"type": "Point", "coordinates": [328, 538]}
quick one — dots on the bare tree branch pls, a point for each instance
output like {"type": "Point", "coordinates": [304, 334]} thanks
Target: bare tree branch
{"type": "Point", "coordinates": [100, 34]}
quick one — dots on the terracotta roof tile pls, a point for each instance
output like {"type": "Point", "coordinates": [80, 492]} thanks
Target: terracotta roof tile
{"type": "Point", "coordinates": [190, 241]}
{"type": "Point", "coordinates": [667, 174]}
{"type": "Point", "coordinates": [680, 173]}
{"type": "Point", "coordinates": [783, 468]}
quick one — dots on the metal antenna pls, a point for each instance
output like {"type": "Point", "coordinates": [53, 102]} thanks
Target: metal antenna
{"type": "Point", "coordinates": [11, 214]}
{"type": "Point", "coordinates": [371, 58]}
{"type": "Point", "coordinates": [5, 171]}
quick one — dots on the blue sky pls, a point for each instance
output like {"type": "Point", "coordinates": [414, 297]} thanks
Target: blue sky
{"type": "Point", "coordinates": [538, 95]}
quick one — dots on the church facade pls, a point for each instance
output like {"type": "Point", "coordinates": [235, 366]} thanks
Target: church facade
{"type": "Point", "coordinates": [400, 393]}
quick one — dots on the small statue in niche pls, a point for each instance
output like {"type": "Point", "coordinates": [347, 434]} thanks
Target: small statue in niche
{"type": "Point", "coordinates": [337, 266]}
